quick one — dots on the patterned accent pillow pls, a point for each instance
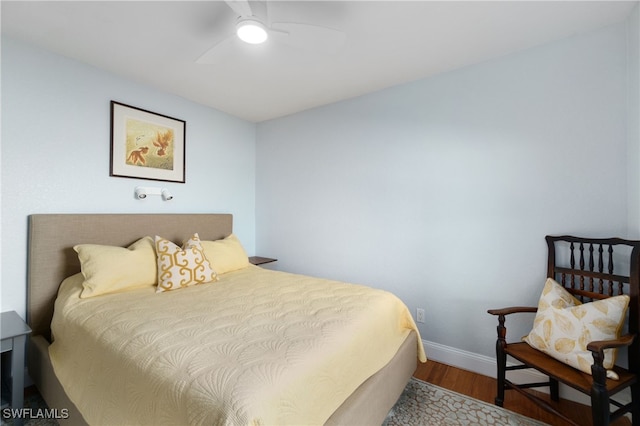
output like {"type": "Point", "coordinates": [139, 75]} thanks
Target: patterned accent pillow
{"type": "Point", "coordinates": [182, 267]}
{"type": "Point", "coordinates": [564, 326]}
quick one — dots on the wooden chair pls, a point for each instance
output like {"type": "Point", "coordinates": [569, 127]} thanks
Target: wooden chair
{"type": "Point", "coordinates": [587, 281]}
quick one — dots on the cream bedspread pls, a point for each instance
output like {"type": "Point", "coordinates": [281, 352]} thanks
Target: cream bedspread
{"type": "Point", "coordinates": [258, 347]}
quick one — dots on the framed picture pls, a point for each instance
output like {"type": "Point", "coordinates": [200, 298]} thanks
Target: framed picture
{"type": "Point", "coordinates": [146, 145]}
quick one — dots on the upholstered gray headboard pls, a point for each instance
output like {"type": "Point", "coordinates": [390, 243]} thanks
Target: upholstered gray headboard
{"type": "Point", "coordinates": [51, 257]}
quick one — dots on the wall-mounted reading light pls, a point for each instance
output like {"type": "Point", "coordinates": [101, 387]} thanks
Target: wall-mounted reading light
{"type": "Point", "coordinates": [141, 192]}
{"type": "Point", "coordinates": [166, 195]}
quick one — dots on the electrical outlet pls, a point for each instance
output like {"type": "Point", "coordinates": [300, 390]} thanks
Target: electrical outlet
{"type": "Point", "coordinates": [420, 315]}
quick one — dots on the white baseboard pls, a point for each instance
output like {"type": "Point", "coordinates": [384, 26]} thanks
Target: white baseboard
{"type": "Point", "coordinates": [485, 365]}
{"type": "Point", "coordinates": [470, 361]}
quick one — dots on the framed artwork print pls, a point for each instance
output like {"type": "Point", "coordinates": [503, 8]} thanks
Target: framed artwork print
{"type": "Point", "coordinates": [146, 145]}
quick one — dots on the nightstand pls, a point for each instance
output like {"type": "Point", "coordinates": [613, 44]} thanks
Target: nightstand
{"type": "Point", "coordinates": [14, 331]}
{"type": "Point", "coordinates": [257, 260]}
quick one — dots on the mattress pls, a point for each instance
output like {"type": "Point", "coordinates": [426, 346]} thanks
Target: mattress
{"type": "Point", "coordinates": [257, 347]}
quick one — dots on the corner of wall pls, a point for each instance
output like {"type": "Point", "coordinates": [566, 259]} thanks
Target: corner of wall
{"type": "Point", "coordinates": [633, 121]}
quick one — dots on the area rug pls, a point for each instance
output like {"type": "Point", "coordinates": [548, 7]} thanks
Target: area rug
{"type": "Point", "coordinates": [422, 403]}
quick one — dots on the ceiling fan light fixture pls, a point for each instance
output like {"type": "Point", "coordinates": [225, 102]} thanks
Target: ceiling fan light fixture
{"type": "Point", "coordinates": [251, 31]}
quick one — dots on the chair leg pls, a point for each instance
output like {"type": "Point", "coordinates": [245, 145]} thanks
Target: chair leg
{"type": "Point", "coordinates": [600, 410]}
{"type": "Point", "coordinates": [501, 360]}
{"type": "Point", "coordinates": [554, 389]}
{"type": "Point", "coordinates": [635, 398]}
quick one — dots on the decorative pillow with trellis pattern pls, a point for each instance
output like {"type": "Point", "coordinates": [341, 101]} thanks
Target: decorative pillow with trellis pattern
{"type": "Point", "coordinates": [182, 267]}
{"type": "Point", "coordinates": [564, 326]}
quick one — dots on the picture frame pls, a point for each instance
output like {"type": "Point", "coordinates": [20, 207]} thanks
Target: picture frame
{"type": "Point", "coordinates": [146, 145]}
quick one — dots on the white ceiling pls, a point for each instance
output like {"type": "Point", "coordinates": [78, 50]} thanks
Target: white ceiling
{"type": "Point", "coordinates": [387, 43]}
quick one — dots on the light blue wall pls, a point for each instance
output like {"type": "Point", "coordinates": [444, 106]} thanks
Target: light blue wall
{"type": "Point", "coordinates": [442, 190]}
{"type": "Point", "coordinates": [55, 154]}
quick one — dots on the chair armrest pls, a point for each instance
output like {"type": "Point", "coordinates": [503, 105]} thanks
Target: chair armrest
{"type": "Point", "coordinates": [512, 310]}
{"type": "Point", "coordinates": [601, 345]}
{"type": "Point", "coordinates": [598, 372]}
{"type": "Point", "coordinates": [502, 313]}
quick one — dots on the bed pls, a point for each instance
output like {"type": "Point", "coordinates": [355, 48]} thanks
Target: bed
{"type": "Point", "coordinates": [365, 399]}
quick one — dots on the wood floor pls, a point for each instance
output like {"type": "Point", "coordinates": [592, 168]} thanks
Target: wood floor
{"type": "Point", "coordinates": [484, 388]}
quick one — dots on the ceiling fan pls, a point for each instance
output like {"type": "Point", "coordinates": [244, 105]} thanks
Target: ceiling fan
{"type": "Point", "coordinates": [253, 26]}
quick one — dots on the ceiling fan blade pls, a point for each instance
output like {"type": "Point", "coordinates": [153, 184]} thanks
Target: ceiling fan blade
{"type": "Point", "coordinates": [241, 7]}
{"type": "Point", "coordinates": [309, 37]}
{"type": "Point", "coordinates": [219, 51]}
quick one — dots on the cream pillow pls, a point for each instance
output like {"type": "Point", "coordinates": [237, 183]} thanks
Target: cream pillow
{"type": "Point", "coordinates": [110, 269]}
{"type": "Point", "coordinates": [182, 267]}
{"type": "Point", "coordinates": [564, 326]}
{"type": "Point", "coordinates": [226, 255]}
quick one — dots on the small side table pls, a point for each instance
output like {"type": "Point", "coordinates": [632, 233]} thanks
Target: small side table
{"type": "Point", "coordinates": [13, 333]}
{"type": "Point", "coordinates": [258, 260]}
